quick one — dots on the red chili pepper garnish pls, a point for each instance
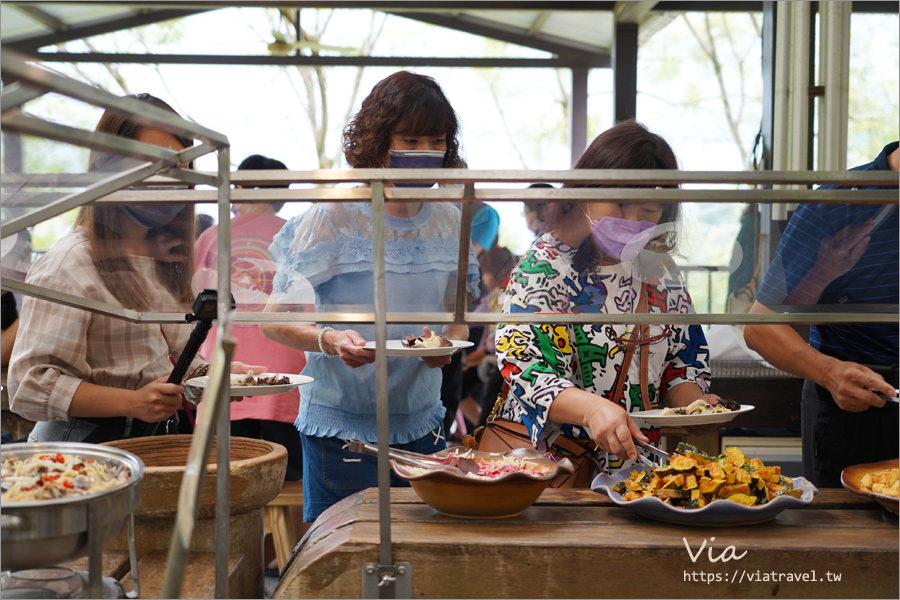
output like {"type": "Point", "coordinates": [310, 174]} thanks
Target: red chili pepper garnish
{"type": "Point", "coordinates": [43, 457]}
{"type": "Point", "coordinates": [59, 458]}
{"type": "Point", "coordinates": [28, 489]}
{"type": "Point", "coordinates": [78, 467]}
{"type": "Point", "coordinates": [50, 476]}
{"type": "Point", "coordinates": [68, 485]}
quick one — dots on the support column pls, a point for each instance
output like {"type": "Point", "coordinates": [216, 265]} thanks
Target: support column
{"type": "Point", "coordinates": [624, 64]}
{"type": "Point", "coordinates": [578, 113]}
{"type": "Point", "coordinates": [792, 82]}
{"type": "Point", "coordinates": [767, 127]}
{"type": "Point", "coordinates": [768, 77]}
{"type": "Point", "coordinates": [13, 149]}
{"type": "Point", "coordinates": [13, 152]}
{"type": "Point", "coordinates": [834, 77]}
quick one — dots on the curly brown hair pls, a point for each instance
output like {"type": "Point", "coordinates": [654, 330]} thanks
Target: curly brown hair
{"type": "Point", "coordinates": [405, 103]}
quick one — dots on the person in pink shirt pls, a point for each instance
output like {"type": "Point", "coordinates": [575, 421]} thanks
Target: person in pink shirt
{"type": "Point", "coordinates": [252, 268]}
{"type": "Point", "coordinates": [272, 417]}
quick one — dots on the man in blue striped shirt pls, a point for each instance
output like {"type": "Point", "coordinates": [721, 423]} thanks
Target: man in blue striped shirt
{"type": "Point", "coordinates": [838, 254]}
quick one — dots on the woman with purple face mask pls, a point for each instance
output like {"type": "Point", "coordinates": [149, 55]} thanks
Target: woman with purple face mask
{"type": "Point", "coordinates": [87, 377]}
{"type": "Point", "coordinates": [601, 257]}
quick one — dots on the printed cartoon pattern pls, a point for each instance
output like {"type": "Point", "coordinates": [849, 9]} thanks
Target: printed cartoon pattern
{"type": "Point", "coordinates": [540, 361]}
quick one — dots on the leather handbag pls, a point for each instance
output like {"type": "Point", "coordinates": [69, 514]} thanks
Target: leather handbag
{"type": "Point", "coordinates": [499, 435]}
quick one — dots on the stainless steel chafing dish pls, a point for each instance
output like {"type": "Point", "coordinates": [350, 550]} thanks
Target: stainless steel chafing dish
{"type": "Point", "coordinates": [44, 532]}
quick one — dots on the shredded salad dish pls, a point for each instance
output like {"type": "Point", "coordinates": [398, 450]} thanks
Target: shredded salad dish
{"type": "Point", "coordinates": [56, 475]}
{"type": "Point", "coordinates": [492, 468]}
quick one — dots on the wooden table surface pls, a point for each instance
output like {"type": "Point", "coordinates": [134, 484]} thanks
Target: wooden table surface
{"type": "Point", "coordinates": [578, 544]}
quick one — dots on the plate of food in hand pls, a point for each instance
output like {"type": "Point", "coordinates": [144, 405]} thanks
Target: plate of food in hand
{"type": "Point", "coordinates": [249, 384]}
{"type": "Point", "coordinates": [695, 488]}
{"type": "Point", "coordinates": [880, 481]}
{"type": "Point", "coordinates": [434, 345]}
{"type": "Point", "coordinates": [699, 412]}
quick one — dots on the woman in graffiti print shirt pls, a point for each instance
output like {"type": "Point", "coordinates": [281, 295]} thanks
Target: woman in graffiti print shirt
{"type": "Point", "coordinates": [558, 379]}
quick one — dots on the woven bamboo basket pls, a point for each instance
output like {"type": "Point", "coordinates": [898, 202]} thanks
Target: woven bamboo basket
{"type": "Point", "coordinates": [257, 475]}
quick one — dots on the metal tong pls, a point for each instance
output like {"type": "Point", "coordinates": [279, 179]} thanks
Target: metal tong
{"type": "Point", "coordinates": [894, 399]}
{"type": "Point", "coordinates": [455, 463]}
{"type": "Point", "coordinates": [652, 450]}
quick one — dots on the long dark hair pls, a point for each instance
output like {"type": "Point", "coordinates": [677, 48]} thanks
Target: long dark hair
{"type": "Point", "coordinates": [103, 225]}
{"type": "Point", "coordinates": [400, 103]}
{"type": "Point", "coordinates": [126, 126]}
{"type": "Point", "coordinates": [626, 145]}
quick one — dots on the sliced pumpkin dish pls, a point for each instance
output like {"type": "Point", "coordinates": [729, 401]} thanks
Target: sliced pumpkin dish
{"type": "Point", "coordinates": [693, 479]}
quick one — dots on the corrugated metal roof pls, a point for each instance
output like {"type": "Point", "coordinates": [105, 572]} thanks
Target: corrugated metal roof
{"type": "Point", "coordinates": [590, 31]}
{"type": "Point", "coordinates": [551, 26]}
{"type": "Point", "coordinates": [31, 25]}
{"type": "Point", "coordinates": [583, 28]}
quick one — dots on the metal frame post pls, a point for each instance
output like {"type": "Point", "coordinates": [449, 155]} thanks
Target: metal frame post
{"type": "Point", "coordinates": [385, 579]}
{"type": "Point", "coordinates": [225, 315]}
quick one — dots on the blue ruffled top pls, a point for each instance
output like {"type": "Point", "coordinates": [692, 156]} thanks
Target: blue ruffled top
{"type": "Point", "coordinates": [329, 249]}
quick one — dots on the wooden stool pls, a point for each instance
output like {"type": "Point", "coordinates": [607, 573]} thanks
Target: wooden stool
{"type": "Point", "coordinates": [278, 520]}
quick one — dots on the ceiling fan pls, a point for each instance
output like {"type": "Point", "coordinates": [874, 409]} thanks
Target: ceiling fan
{"type": "Point", "coordinates": [282, 47]}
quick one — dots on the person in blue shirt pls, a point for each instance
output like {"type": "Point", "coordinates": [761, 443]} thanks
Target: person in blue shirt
{"type": "Point", "coordinates": [406, 121]}
{"type": "Point", "coordinates": [836, 254]}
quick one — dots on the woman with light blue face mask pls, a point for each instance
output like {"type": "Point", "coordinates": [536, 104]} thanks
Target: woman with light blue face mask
{"type": "Point", "coordinates": [405, 122]}
{"type": "Point", "coordinates": [87, 377]}
{"type": "Point", "coordinates": [602, 257]}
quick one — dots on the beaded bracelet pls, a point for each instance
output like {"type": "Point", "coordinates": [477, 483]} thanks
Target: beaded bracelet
{"type": "Point", "coordinates": [321, 347]}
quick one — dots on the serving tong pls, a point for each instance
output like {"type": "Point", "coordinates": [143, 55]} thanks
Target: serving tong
{"type": "Point", "coordinates": [894, 399]}
{"type": "Point", "coordinates": [652, 450]}
{"type": "Point", "coordinates": [454, 462]}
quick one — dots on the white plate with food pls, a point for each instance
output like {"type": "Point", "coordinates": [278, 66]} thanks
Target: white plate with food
{"type": "Point", "coordinates": [250, 384]}
{"type": "Point", "coordinates": [658, 419]}
{"type": "Point", "coordinates": [693, 489]}
{"type": "Point", "coordinates": [401, 348]}
{"type": "Point", "coordinates": [719, 513]}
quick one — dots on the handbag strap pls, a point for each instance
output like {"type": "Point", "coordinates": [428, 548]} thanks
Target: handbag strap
{"type": "Point", "coordinates": [620, 376]}
{"type": "Point", "coordinates": [642, 308]}
{"type": "Point", "coordinates": [495, 411]}
{"type": "Point", "coordinates": [645, 367]}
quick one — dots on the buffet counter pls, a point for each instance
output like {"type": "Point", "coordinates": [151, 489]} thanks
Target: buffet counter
{"type": "Point", "coordinates": [578, 544]}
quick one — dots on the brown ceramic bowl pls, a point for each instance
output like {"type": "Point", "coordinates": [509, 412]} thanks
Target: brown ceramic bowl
{"type": "Point", "coordinates": [851, 477]}
{"type": "Point", "coordinates": [468, 497]}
